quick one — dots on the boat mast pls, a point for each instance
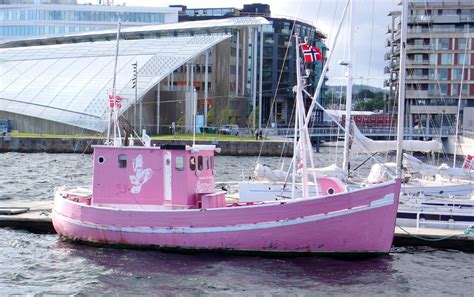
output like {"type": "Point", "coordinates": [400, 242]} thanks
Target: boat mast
{"type": "Point", "coordinates": [114, 101]}
{"type": "Point", "coordinates": [456, 135]}
{"type": "Point", "coordinates": [401, 87]}
{"type": "Point", "coordinates": [345, 163]}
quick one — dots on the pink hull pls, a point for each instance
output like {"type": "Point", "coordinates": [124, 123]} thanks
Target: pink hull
{"type": "Point", "coordinates": [362, 221]}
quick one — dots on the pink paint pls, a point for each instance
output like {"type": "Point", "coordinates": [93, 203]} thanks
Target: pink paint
{"type": "Point", "coordinates": [196, 217]}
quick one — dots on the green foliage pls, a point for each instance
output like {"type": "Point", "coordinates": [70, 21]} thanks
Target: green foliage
{"type": "Point", "coordinates": [250, 117]}
{"type": "Point", "coordinates": [211, 117]}
{"type": "Point", "coordinates": [225, 116]}
{"type": "Point", "coordinates": [371, 105]}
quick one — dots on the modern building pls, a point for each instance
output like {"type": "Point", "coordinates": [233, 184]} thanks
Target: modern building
{"type": "Point", "coordinates": [440, 64]}
{"type": "Point", "coordinates": [21, 19]}
{"type": "Point", "coordinates": [61, 84]}
{"type": "Point", "coordinates": [278, 59]}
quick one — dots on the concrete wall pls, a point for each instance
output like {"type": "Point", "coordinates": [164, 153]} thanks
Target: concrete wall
{"type": "Point", "coordinates": [26, 124]}
{"type": "Point", "coordinates": [74, 145]}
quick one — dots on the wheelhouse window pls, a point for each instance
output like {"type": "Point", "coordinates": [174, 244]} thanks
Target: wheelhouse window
{"type": "Point", "coordinates": [200, 163]}
{"type": "Point", "coordinates": [192, 163]}
{"type": "Point", "coordinates": [122, 161]}
{"type": "Point", "coordinates": [207, 162]}
{"type": "Point", "coordinates": [179, 163]}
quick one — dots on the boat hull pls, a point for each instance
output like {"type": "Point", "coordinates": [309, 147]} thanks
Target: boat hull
{"type": "Point", "coordinates": [362, 221]}
{"type": "Point", "coordinates": [440, 189]}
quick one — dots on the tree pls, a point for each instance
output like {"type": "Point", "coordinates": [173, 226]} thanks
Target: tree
{"type": "Point", "coordinates": [250, 118]}
{"type": "Point", "coordinates": [225, 116]}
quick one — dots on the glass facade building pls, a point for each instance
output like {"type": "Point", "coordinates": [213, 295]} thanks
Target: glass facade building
{"type": "Point", "coordinates": [278, 62]}
{"type": "Point", "coordinates": [30, 20]}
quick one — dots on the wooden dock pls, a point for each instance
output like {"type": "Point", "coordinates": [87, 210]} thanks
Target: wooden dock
{"type": "Point", "coordinates": [35, 216]}
{"type": "Point", "coordinates": [437, 238]}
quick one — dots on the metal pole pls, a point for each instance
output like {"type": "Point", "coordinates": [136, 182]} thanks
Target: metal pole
{"type": "Point", "coordinates": [245, 53]}
{"type": "Point", "coordinates": [401, 88]}
{"type": "Point", "coordinates": [345, 163]}
{"type": "Point", "coordinates": [254, 77]}
{"type": "Point", "coordinates": [237, 60]}
{"type": "Point", "coordinates": [260, 109]}
{"type": "Point", "coordinates": [136, 96]}
{"type": "Point", "coordinates": [158, 99]}
{"type": "Point", "coordinates": [206, 81]}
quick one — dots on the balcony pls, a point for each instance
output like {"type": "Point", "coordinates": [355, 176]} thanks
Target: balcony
{"type": "Point", "coordinates": [417, 62]}
{"type": "Point", "coordinates": [418, 47]}
{"type": "Point", "coordinates": [420, 19]}
{"type": "Point", "coordinates": [387, 56]}
{"type": "Point", "coordinates": [417, 77]}
{"type": "Point", "coordinates": [413, 94]}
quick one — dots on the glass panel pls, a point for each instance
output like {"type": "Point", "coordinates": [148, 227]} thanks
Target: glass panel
{"type": "Point", "coordinates": [179, 163]}
{"type": "Point", "coordinates": [192, 163]}
{"type": "Point", "coordinates": [200, 163]}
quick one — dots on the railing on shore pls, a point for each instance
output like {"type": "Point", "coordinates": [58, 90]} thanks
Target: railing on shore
{"type": "Point", "coordinates": [377, 132]}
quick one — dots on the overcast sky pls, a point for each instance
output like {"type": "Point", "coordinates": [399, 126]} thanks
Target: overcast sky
{"type": "Point", "coordinates": [370, 26]}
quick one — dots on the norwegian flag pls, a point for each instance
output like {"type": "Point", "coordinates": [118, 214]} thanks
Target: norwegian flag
{"type": "Point", "coordinates": [311, 53]}
{"type": "Point", "coordinates": [468, 163]}
{"type": "Point", "coordinates": [115, 100]}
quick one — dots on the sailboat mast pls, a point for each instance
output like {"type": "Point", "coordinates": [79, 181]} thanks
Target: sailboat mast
{"type": "Point", "coordinates": [401, 87]}
{"type": "Point", "coordinates": [456, 135]}
{"type": "Point", "coordinates": [345, 163]}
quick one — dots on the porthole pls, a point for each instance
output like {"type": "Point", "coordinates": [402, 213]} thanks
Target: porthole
{"type": "Point", "coordinates": [101, 160]}
{"type": "Point", "coordinates": [331, 191]}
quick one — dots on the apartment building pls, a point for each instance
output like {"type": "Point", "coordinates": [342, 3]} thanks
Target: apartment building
{"type": "Point", "coordinates": [440, 65]}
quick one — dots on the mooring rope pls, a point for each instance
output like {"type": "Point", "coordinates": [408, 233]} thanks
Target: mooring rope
{"type": "Point", "coordinates": [468, 231]}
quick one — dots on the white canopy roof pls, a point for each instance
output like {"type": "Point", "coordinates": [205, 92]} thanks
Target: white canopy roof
{"type": "Point", "coordinates": [68, 83]}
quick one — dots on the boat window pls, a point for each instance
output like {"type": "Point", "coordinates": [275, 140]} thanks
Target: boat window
{"type": "Point", "coordinates": [179, 163]}
{"type": "Point", "coordinates": [200, 163]}
{"type": "Point", "coordinates": [192, 163]}
{"type": "Point", "coordinates": [101, 160]}
{"type": "Point", "coordinates": [212, 162]}
{"type": "Point", "coordinates": [122, 161]}
{"type": "Point", "coordinates": [207, 162]}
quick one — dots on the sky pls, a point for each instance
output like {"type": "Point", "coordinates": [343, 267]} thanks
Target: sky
{"type": "Point", "coordinates": [370, 26]}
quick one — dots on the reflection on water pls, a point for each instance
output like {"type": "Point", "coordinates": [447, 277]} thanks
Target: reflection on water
{"type": "Point", "coordinates": [42, 264]}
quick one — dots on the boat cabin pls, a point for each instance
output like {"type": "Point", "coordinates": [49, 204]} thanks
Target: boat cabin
{"type": "Point", "coordinates": [167, 176]}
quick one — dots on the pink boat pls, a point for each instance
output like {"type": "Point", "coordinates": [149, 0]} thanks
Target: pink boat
{"type": "Point", "coordinates": [165, 197]}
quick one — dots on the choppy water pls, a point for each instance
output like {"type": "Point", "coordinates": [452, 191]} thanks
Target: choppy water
{"type": "Point", "coordinates": [42, 264]}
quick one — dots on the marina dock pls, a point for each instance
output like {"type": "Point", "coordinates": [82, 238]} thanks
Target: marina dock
{"type": "Point", "coordinates": [35, 217]}
{"type": "Point", "coordinates": [32, 216]}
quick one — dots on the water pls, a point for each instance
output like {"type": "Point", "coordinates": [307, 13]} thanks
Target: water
{"type": "Point", "coordinates": [42, 264]}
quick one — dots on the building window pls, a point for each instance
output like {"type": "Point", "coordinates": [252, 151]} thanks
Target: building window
{"type": "Point", "coordinates": [433, 59]}
{"type": "Point", "coordinates": [233, 51]}
{"type": "Point", "coordinates": [462, 43]}
{"type": "Point", "coordinates": [446, 59]}
{"type": "Point", "coordinates": [462, 59]}
{"type": "Point", "coordinates": [456, 87]}
{"type": "Point", "coordinates": [443, 44]}
{"type": "Point", "coordinates": [442, 74]}
{"type": "Point", "coordinates": [457, 73]}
